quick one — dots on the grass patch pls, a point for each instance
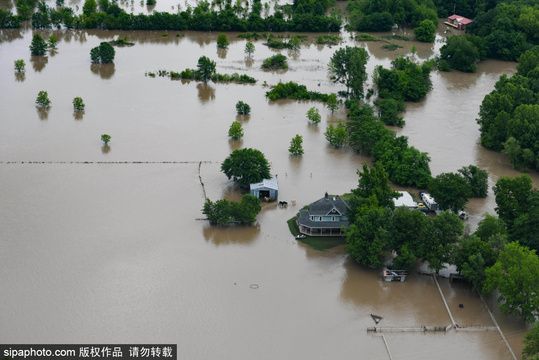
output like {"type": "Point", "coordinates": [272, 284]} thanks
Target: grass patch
{"type": "Point", "coordinates": [397, 37]}
{"type": "Point", "coordinates": [320, 243]}
{"type": "Point", "coordinates": [391, 47]}
{"type": "Point", "coordinates": [367, 37]}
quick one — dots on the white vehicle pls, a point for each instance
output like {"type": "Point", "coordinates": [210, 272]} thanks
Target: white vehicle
{"type": "Point", "coordinates": [428, 201]}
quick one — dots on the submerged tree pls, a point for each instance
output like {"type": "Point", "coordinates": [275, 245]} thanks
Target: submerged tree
{"type": "Point", "coordinates": [205, 68]}
{"type": "Point", "coordinates": [43, 99]}
{"type": "Point", "coordinates": [225, 212]}
{"type": "Point", "coordinates": [20, 65]}
{"type": "Point", "coordinates": [38, 45]}
{"type": "Point", "coordinates": [336, 135]}
{"type": "Point", "coordinates": [242, 108]}
{"type": "Point", "coordinates": [332, 103]}
{"type": "Point", "coordinates": [222, 41]}
{"type": "Point", "coordinates": [104, 53]}
{"type": "Point", "coordinates": [105, 138]}
{"type": "Point", "coordinates": [249, 49]}
{"type": "Point", "coordinates": [347, 66]}
{"type": "Point", "coordinates": [516, 276]}
{"type": "Point", "coordinates": [78, 104]}
{"type": "Point", "coordinates": [53, 41]}
{"type": "Point", "coordinates": [296, 145]}
{"type": "Point", "coordinates": [235, 131]}
{"type": "Point", "coordinates": [314, 115]}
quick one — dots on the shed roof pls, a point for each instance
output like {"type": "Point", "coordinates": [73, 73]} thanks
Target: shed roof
{"type": "Point", "coordinates": [266, 184]}
{"type": "Point", "coordinates": [404, 200]}
{"type": "Point", "coordinates": [460, 19]}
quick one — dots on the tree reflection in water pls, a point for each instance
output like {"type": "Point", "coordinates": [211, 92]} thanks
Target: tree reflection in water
{"type": "Point", "coordinates": [105, 71]}
{"type": "Point", "coordinates": [39, 62]}
{"type": "Point", "coordinates": [43, 112]}
{"type": "Point", "coordinates": [205, 92]}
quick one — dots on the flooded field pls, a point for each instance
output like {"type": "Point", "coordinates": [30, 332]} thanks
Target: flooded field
{"type": "Point", "coordinates": [104, 245]}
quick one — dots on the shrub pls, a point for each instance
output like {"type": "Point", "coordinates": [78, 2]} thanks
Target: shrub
{"type": "Point", "coordinates": [78, 104]}
{"type": "Point", "coordinates": [222, 41]}
{"type": "Point", "coordinates": [277, 61]}
{"type": "Point", "coordinates": [314, 115]}
{"type": "Point", "coordinates": [235, 131]}
{"type": "Point", "coordinates": [105, 138]}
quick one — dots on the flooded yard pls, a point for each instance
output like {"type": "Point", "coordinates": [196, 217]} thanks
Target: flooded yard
{"type": "Point", "coordinates": [105, 245]}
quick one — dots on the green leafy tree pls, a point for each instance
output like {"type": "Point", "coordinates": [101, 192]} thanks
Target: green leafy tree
{"type": "Point", "coordinates": [367, 237]}
{"type": "Point", "coordinates": [437, 248]}
{"type": "Point", "coordinates": [531, 341]}
{"type": "Point", "coordinates": [104, 53]}
{"type": "Point", "coordinates": [294, 43]}
{"type": "Point", "coordinates": [222, 41]}
{"type": "Point", "coordinates": [489, 226]}
{"type": "Point", "coordinates": [242, 108]}
{"type": "Point", "coordinates": [53, 41]}
{"type": "Point", "coordinates": [314, 115]}
{"type": "Point", "coordinates": [477, 178]}
{"type": "Point", "coordinates": [348, 67]}
{"type": "Point", "coordinates": [20, 65]}
{"type": "Point", "coordinates": [205, 68]}
{"type": "Point", "coordinates": [516, 276]}
{"type": "Point", "coordinates": [43, 99]}
{"type": "Point", "coordinates": [426, 31]}
{"type": "Point", "coordinates": [373, 181]}
{"type": "Point", "coordinates": [235, 131]}
{"type": "Point", "coordinates": [89, 7]}
{"type": "Point", "coordinates": [336, 135]}
{"type": "Point", "coordinates": [38, 45]}
{"type": "Point", "coordinates": [332, 103]}
{"type": "Point", "coordinates": [225, 212]}
{"type": "Point", "coordinates": [472, 256]}
{"type": "Point", "coordinates": [246, 166]}
{"type": "Point", "coordinates": [389, 110]}
{"type": "Point", "coordinates": [525, 228]}
{"type": "Point", "coordinates": [451, 191]}
{"type": "Point", "coordinates": [409, 230]}
{"type": "Point", "coordinates": [249, 49]}
{"type": "Point", "coordinates": [78, 104]}
{"type": "Point", "coordinates": [296, 146]}
{"type": "Point", "coordinates": [105, 138]}
{"type": "Point", "coordinates": [512, 196]}
{"type": "Point", "coordinates": [460, 53]}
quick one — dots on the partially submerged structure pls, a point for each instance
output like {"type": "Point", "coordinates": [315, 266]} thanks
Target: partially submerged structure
{"type": "Point", "coordinates": [458, 22]}
{"type": "Point", "coordinates": [267, 190]}
{"type": "Point", "coordinates": [324, 217]}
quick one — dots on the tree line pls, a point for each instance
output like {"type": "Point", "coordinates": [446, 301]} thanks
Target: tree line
{"type": "Point", "coordinates": [302, 15]}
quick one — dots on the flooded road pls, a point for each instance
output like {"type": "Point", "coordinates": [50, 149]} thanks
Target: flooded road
{"type": "Point", "coordinates": [112, 252]}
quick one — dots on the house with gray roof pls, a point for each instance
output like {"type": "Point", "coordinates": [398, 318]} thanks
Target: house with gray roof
{"type": "Point", "coordinates": [324, 217]}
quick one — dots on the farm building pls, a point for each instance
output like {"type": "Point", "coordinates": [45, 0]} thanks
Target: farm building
{"type": "Point", "coordinates": [267, 190]}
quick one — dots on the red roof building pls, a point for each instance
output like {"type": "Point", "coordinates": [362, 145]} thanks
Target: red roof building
{"type": "Point", "coordinates": [458, 21]}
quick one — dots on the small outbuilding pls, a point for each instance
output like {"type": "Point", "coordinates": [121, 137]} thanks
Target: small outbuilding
{"type": "Point", "coordinates": [405, 200]}
{"type": "Point", "coordinates": [267, 190]}
{"type": "Point", "coordinates": [458, 22]}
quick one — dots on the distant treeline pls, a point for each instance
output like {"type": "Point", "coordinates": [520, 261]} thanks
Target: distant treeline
{"type": "Point", "coordinates": [302, 15]}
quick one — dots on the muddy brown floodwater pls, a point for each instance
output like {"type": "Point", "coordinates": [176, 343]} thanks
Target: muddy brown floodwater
{"type": "Point", "coordinates": [94, 250]}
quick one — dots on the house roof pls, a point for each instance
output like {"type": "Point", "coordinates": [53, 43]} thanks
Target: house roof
{"type": "Point", "coordinates": [328, 205]}
{"type": "Point", "coordinates": [305, 220]}
{"type": "Point", "coordinates": [266, 184]}
{"type": "Point", "coordinates": [460, 19]}
{"type": "Point", "coordinates": [404, 200]}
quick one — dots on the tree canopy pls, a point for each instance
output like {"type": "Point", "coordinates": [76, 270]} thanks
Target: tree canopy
{"type": "Point", "coordinates": [246, 166]}
{"type": "Point", "coordinates": [516, 276]}
{"type": "Point", "coordinates": [104, 53]}
{"type": "Point", "coordinates": [451, 191]}
{"type": "Point", "coordinates": [205, 68]}
{"type": "Point", "coordinates": [347, 66]}
{"type": "Point", "coordinates": [460, 54]}
{"type": "Point", "coordinates": [224, 212]}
